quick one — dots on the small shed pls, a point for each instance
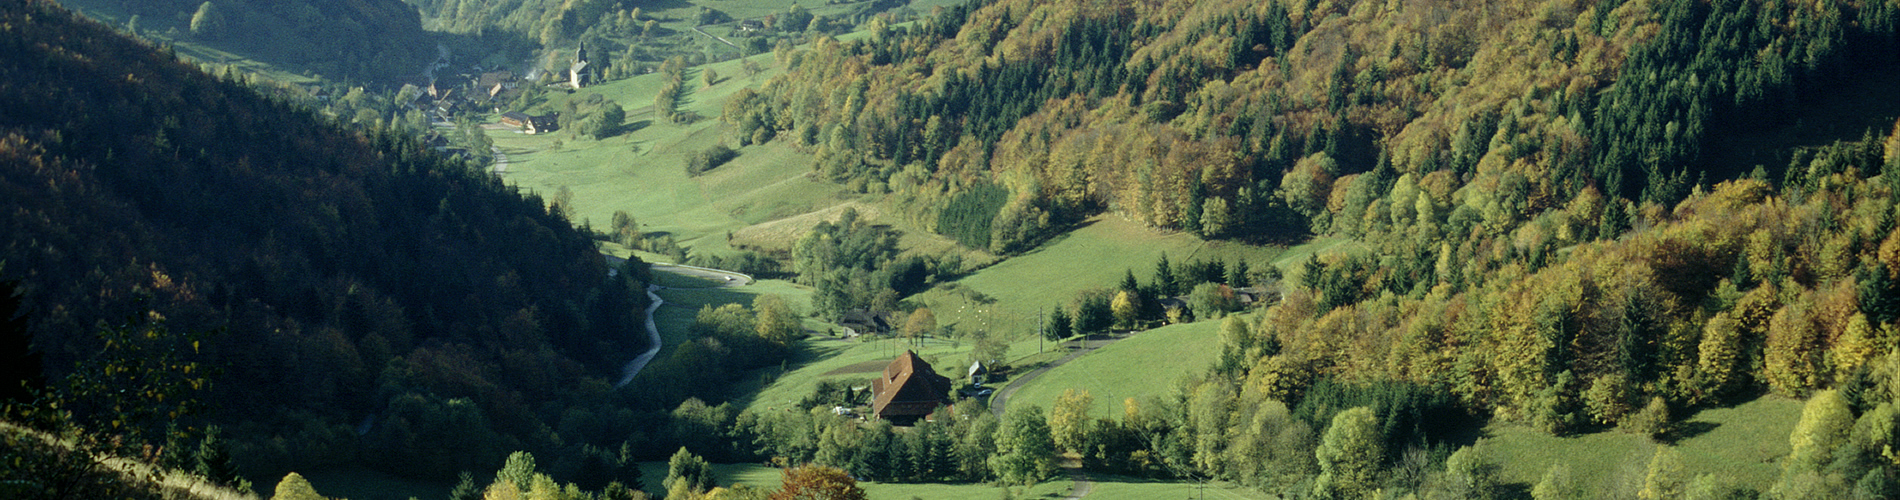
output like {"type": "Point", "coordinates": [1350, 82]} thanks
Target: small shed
{"type": "Point", "coordinates": [979, 373]}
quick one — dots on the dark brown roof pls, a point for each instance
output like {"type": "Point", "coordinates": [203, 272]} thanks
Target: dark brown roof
{"type": "Point", "coordinates": [909, 388]}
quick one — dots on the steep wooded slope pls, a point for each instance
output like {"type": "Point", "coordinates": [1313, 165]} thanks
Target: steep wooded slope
{"type": "Point", "coordinates": [364, 40]}
{"type": "Point", "coordinates": [357, 296]}
{"type": "Point", "coordinates": [1265, 120]}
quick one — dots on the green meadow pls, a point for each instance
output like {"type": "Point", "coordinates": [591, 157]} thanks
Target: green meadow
{"type": "Point", "coordinates": [1742, 445]}
{"type": "Point", "coordinates": [1147, 364]}
{"type": "Point", "coordinates": [1011, 295]}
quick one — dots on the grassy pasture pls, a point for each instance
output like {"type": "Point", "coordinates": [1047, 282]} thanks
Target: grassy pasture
{"type": "Point", "coordinates": [1093, 256]}
{"type": "Point", "coordinates": [1742, 445]}
{"type": "Point", "coordinates": [1146, 364]}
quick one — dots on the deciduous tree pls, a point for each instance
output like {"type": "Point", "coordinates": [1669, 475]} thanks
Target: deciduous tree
{"type": "Point", "coordinates": [1349, 455]}
{"type": "Point", "coordinates": [817, 482]}
{"type": "Point", "coordinates": [1025, 453]}
{"type": "Point", "coordinates": [1069, 420]}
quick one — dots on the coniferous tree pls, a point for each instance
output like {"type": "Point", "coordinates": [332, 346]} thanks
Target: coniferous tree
{"type": "Point", "coordinates": [1165, 283]}
{"type": "Point", "coordinates": [1060, 326]}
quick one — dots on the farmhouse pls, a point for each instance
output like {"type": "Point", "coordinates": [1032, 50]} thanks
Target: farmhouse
{"type": "Point", "coordinates": [861, 322]}
{"type": "Point", "coordinates": [909, 389]}
{"type": "Point", "coordinates": [530, 124]}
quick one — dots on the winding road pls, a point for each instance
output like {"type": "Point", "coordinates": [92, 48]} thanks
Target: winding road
{"type": "Point", "coordinates": [653, 340]}
{"type": "Point", "coordinates": [1083, 346]}
{"type": "Point", "coordinates": [720, 277]}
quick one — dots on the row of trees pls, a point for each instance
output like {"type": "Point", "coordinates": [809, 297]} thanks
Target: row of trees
{"type": "Point", "coordinates": [1205, 289]}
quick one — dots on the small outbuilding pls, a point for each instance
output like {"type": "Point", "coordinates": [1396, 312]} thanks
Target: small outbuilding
{"type": "Point", "coordinates": [909, 389]}
{"type": "Point", "coordinates": [979, 373]}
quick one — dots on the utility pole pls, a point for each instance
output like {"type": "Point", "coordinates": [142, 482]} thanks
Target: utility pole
{"type": "Point", "coordinates": [1039, 334]}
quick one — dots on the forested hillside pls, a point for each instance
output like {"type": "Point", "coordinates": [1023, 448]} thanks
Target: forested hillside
{"type": "Point", "coordinates": [1539, 234]}
{"type": "Point", "coordinates": [378, 40]}
{"type": "Point", "coordinates": [331, 295]}
{"type": "Point", "coordinates": [1270, 119]}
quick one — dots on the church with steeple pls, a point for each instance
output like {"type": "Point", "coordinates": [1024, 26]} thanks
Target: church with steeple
{"type": "Point", "coordinates": [577, 74]}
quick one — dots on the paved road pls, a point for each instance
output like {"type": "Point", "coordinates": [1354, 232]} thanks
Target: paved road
{"type": "Point", "coordinates": [501, 160]}
{"type": "Point", "coordinates": [726, 279]}
{"type": "Point", "coordinates": [653, 339]}
{"type": "Point", "coordinates": [1081, 347]}
{"type": "Point", "coordinates": [723, 277]}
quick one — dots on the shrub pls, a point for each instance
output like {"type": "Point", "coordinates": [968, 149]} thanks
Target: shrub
{"type": "Point", "coordinates": [709, 159]}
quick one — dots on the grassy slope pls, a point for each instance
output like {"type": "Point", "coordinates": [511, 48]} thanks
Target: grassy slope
{"type": "Point", "coordinates": [1742, 445]}
{"type": "Point", "coordinates": [1146, 364]}
{"type": "Point", "coordinates": [1119, 488]}
{"type": "Point", "coordinates": [643, 171]}
{"type": "Point", "coordinates": [1093, 256]}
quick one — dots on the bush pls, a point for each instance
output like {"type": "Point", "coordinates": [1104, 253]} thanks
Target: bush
{"type": "Point", "coordinates": [1651, 421]}
{"type": "Point", "coordinates": [709, 159]}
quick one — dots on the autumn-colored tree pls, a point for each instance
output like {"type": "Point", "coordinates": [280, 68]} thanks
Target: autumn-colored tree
{"type": "Point", "coordinates": [1126, 308]}
{"type": "Point", "coordinates": [1859, 344]}
{"type": "Point", "coordinates": [1793, 358]}
{"type": "Point", "coordinates": [1665, 476]}
{"type": "Point", "coordinates": [1069, 420]}
{"type": "Point", "coordinates": [922, 323]}
{"type": "Point", "coordinates": [1825, 424]}
{"type": "Point", "coordinates": [295, 487]}
{"type": "Point", "coordinates": [776, 321]}
{"type": "Point", "coordinates": [1718, 365]}
{"type": "Point", "coordinates": [817, 482]}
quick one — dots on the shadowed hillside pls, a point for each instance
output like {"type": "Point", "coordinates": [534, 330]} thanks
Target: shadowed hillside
{"type": "Point", "coordinates": [347, 295]}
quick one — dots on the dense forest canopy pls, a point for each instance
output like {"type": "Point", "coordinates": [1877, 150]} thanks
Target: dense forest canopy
{"type": "Point", "coordinates": [1272, 119]}
{"type": "Point", "coordinates": [1542, 237]}
{"type": "Point", "coordinates": [348, 294]}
